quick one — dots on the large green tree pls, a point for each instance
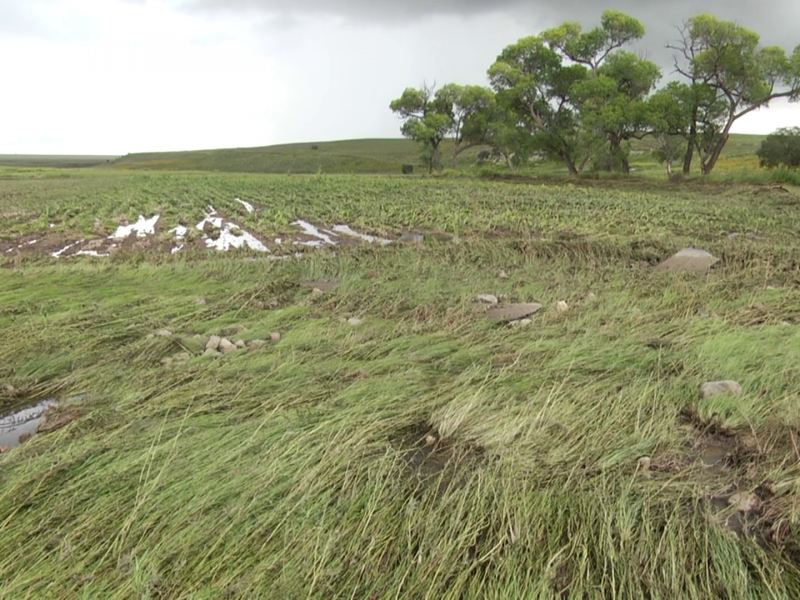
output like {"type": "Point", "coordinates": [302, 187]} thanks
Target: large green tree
{"type": "Point", "coordinates": [470, 109]}
{"type": "Point", "coordinates": [729, 75]}
{"type": "Point", "coordinates": [425, 120]}
{"type": "Point", "coordinates": [546, 79]}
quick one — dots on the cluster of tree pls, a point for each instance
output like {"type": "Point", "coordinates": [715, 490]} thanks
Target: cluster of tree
{"type": "Point", "coordinates": [580, 97]}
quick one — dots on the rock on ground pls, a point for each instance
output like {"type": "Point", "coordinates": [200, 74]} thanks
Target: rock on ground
{"type": "Point", "coordinates": [256, 344]}
{"type": "Point", "coordinates": [240, 344]}
{"type": "Point", "coordinates": [163, 333]}
{"type": "Point", "coordinates": [521, 322]}
{"type": "Point", "coordinates": [746, 503]}
{"type": "Point", "coordinates": [689, 259]}
{"type": "Point", "coordinates": [213, 342]}
{"type": "Point", "coordinates": [355, 321]}
{"type": "Point", "coordinates": [562, 306]}
{"type": "Point", "coordinates": [512, 312]}
{"type": "Point", "coordinates": [715, 388]}
{"type": "Point", "coordinates": [226, 346]}
{"type": "Point", "coordinates": [211, 352]}
{"type": "Point", "coordinates": [487, 299]}
{"type": "Point", "coordinates": [25, 437]}
{"type": "Point", "coordinates": [275, 336]}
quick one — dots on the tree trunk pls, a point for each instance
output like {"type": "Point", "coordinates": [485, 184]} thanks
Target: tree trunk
{"type": "Point", "coordinates": [436, 159]}
{"type": "Point", "coordinates": [570, 164]}
{"type": "Point", "coordinates": [669, 168]}
{"type": "Point", "coordinates": [455, 156]}
{"type": "Point", "coordinates": [510, 164]}
{"type": "Point", "coordinates": [687, 160]}
{"type": "Point", "coordinates": [626, 165]}
{"type": "Point", "coordinates": [712, 160]}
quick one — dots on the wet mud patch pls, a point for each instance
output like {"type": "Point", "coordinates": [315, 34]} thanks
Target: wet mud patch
{"type": "Point", "coordinates": [434, 463]}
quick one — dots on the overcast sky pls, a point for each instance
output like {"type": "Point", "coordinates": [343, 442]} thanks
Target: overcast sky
{"type": "Point", "coordinates": [119, 76]}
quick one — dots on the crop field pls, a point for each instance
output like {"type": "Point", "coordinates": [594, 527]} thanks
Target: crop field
{"type": "Point", "coordinates": [365, 430]}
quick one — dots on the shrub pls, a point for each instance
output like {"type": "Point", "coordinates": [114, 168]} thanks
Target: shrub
{"type": "Point", "coordinates": [408, 169]}
{"type": "Point", "coordinates": [781, 148]}
{"type": "Point", "coordinates": [315, 147]}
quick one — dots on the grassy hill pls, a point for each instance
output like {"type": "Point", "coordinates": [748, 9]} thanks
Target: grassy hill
{"type": "Point", "coordinates": [59, 161]}
{"type": "Point", "coordinates": [348, 156]}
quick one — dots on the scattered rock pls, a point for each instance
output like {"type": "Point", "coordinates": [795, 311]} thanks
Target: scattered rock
{"type": "Point", "coordinates": [25, 437]}
{"type": "Point", "coordinates": [715, 388]}
{"type": "Point", "coordinates": [9, 390]}
{"type": "Point", "coordinates": [355, 321]}
{"type": "Point", "coordinates": [512, 312]}
{"type": "Point", "coordinates": [226, 346]}
{"type": "Point", "coordinates": [213, 342]}
{"type": "Point", "coordinates": [165, 361]}
{"type": "Point", "coordinates": [4, 449]}
{"type": "Point", "coordinates": [503, 275]}
{"type": "Point", "coordinates": [746, 503]}
{"type": "Point", "coordinates": [256, 344]}
{"type": "Point", "coordinates": [562, 306]}
{"type": "Point", "coordinates": [163, 333]}
{"type": "Point", "coordinates": [316, 292]}
{"type": "Point", "coordinates": [689, 259]}
{"type": "Point", "coordinates": [240, 344]}
{"type": "Point", "coordinates": [487, 299]}
{"type": "Point", "coordinates": [430, 440]}
{"type": "Point", "coordinates": [644, 463]}
{"type": "Point", "coordinates": [521, 322]}
{"type": "Point", "coordinates": [274, 337]}
{"type": "Point", "coordinates": [200, 302]}
{"type": "Point", "coordinates": [182, 357]}
{"type": "Point", "coordinates": [591, 296]}
{"type": "Point", "coordinates": [211, 352]}
{"type": "Point", "coordinates": [320, 286]}
{"type": "Point", "coordinates": [760, 306]}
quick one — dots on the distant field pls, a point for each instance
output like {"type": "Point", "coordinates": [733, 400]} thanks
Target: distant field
{"type": "Point", "coordinates": [358, 156]}
{"type": "Point", "coordinates": [60, 161]}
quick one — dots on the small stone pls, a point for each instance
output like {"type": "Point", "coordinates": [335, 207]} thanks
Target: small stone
{"type": "Point", "coordinates": [226, 346]}
{"type": "Point", "coordinates": [165, 361]}
{"type": "Point", "coordinates": [689, 259]}
{"type": "Point", "coordinates": [760, 306]}
{"type": "Point", "coordinates": [487, 299]}
{"type": "Point", "coordinates": [745, 503]}
{"type": "Point", "coordinates": [213, 342]}
{"type": "Point", "coordinates": [644, 463]}
{"type": "Point", "coordinates": [503, 275]}
{"type": "Point", "coordinates": [211, 352]}
{"type": "Point", "coordinates": [240, 344]}
{"type": "Point", "coordinates": [200, 302]}
{"type": "Point", "coordinates": [274, 337]}
{"type": "Point", "coordinates": [4, 449]}
{"type": "Point", "coordinates": [25, 437]}
{"type": "Point", "coordinates": [521, 322]}
{"type": "Point", "coordinates": [715, 388]}
{"type": "Point", "coordinates": [512, 312]}
{"type": "Point", "coordinates": [430, 440]}
{"type": "Point", "coordinates": [256, 344]}
{"type": "Point", "coordinates": [562, 306]}
{"type": "Point", "coordinates": [355, 321]}
{"type": "Point", "coordinates": [316, 293]}
{"type": "Point", "coordinates": [163, 333]}
{"type": "Point", "coordinates": [182, 357]}
{"type": "Point", "coordinates": [9, 390]}
{"type": "Point", "coordinates": [591, 296]}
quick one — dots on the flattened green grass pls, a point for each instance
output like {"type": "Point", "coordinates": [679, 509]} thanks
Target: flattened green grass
{"type": "Point", "coordinates": [303, 469]}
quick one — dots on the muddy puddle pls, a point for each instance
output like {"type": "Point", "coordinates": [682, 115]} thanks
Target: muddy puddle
{"type": "Point", "coordinates": [21, 424]}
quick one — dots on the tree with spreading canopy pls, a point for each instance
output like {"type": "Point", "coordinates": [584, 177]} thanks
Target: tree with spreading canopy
{"type": "Point", "coordinates": [550, 79]}
{"type": "Point", "coordinates": [425, 120]}
{"type": "Point", "coordinates": [729, 75]}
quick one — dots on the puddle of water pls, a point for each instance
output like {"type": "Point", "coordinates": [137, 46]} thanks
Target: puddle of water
{"type": "Point", "coordinates": [346, 230]}
{"type": "Point", "coordinates": [23, 421]}
{"type": "Point", "coordinates": [248, 207]}
{"type": "Point", "coordinates": [309, 229]}
{"type": "Point", "coordinates": [143, 227]}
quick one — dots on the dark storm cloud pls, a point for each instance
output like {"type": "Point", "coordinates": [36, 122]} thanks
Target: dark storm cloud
{"type": "Point", "coordinates": [775, 20]}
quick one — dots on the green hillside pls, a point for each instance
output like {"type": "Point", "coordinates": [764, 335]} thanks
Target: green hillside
{"type": "Point", "coordinates": [348, 156]}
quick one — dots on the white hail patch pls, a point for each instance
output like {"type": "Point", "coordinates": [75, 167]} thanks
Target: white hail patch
{"type": "Point", "coordinates": [346, 230]}
{"type": "Point", "coordinates": [230, 236]}
{"type": "Point", "coordinates": [309, 229]}
{"type": "Point", "coordinates": [142, 227]}
{"type": "Point", "coordinates": [65, 248]}
{"type": "Point", "coordinates": [180, 232]}
{"type": "Point", "coordinates": [248, 207]}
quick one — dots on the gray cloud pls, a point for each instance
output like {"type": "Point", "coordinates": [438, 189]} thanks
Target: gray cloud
{"type": "Point", "coordinates": [774, 20]}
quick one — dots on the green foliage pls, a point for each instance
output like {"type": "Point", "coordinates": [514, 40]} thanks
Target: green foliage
{"type": "Point", "coordinates": [781, 148]}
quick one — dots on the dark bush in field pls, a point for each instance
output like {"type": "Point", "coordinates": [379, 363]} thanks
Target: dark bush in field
{"type": "Point", "coordinates": [408, 169]}
{"type": "Point", "coordinates": [781, 148]}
